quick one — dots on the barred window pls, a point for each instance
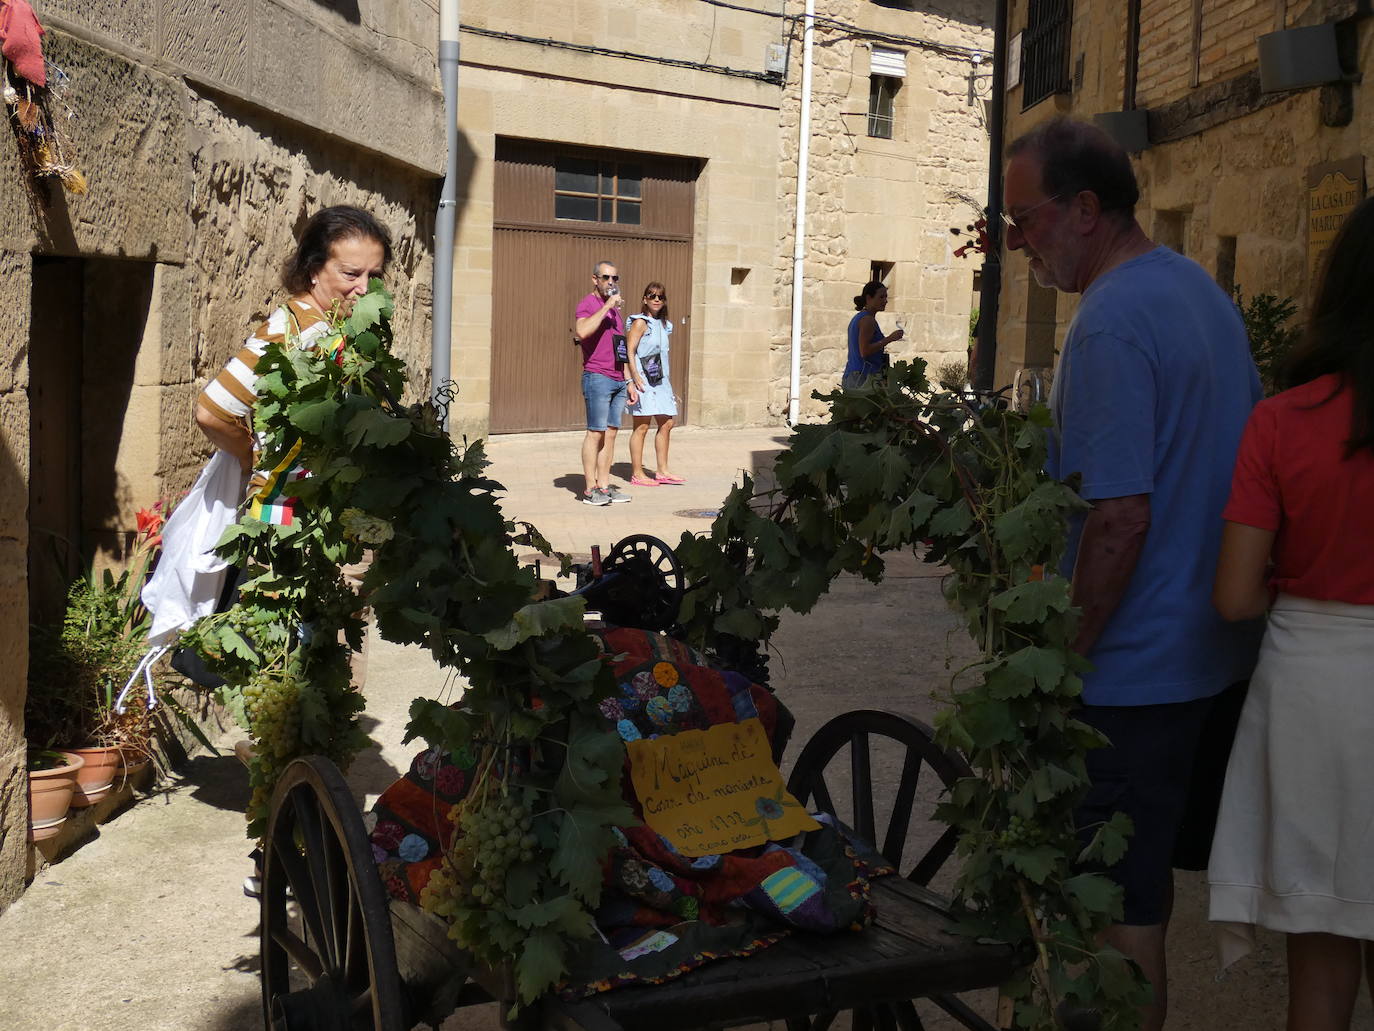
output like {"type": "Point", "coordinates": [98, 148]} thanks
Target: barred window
{"type": "Point", "coordinates": [1045, 58]}
{"type": "Point", "coordinates": [588, 190]}
{"type": "Point", "coordinates": [882, 92]}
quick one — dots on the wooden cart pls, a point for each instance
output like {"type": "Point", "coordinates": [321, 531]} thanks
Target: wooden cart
{"type": "Point", "coordinates": [338, 953]}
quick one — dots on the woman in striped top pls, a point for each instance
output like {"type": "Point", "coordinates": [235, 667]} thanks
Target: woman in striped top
{"type": "Point", "coordinates": [339, 251]}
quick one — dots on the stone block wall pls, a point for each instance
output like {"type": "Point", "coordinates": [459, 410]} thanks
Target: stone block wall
{"type": "Point", "coordinates": [1174, 49]}
{"type": "Point", "coordinates": [295, 58]}
{"type": "Point", "coordinates": [1231, 195]}
{"type": "Point", "coordinates": [14, 543]}
{"type": "Point", "coordinates": [883, 200]}
{"type": "Point", "coordinates": [513, 88]}
{"type": "Point", "coordinates": [203, 159]}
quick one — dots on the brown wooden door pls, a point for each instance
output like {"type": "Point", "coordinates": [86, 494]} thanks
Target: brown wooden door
{"type": "Point", "coordinates": [542, 267]}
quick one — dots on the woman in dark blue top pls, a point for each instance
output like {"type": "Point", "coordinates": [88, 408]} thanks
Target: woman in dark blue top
{"type": "Point", "coordinates": [867, 345]}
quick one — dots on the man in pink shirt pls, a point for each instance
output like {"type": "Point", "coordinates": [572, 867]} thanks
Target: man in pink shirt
{"type": "Point", "coordinates": [600, 330]}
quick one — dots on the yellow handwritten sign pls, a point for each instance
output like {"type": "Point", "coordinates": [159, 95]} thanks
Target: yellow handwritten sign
{"type": "Point", "coordinates": [715, 790]}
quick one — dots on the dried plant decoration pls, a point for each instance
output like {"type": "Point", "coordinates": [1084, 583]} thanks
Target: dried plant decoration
{"type": "Point", "coordinates": [39, 116]}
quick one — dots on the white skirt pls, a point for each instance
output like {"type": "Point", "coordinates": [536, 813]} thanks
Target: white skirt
{"type": "Point", "coordinates": [1294, 845]}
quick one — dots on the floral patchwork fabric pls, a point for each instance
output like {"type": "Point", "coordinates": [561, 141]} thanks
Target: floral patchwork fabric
{"type": "Point", "coordinates": [661, 913]}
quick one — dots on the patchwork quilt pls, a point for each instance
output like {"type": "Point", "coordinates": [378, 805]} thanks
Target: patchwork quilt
{"type": "Point", "coordinates": [661, 913]}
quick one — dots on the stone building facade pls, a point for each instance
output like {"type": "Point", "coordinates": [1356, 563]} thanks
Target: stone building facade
{"type": "Point", "coordinates": [716, 90]}
{"type": "Point", "coordinates": [207, 134]}
{"type": "Point", "coordinates": [885, 201]}
{"type": "Point", "coordinates": [1226, 174]}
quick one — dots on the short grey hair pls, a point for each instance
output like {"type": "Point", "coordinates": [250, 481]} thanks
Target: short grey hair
{"type": "Point", "coordinates": [1076, 156]}
{"type": "Point", "coordinates": [596, 269]}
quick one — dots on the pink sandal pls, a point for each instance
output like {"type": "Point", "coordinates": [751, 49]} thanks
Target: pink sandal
{"type": "Point", "coordinates": [670, 479]}
{"type": "Point", "coordinates": [639, 481]}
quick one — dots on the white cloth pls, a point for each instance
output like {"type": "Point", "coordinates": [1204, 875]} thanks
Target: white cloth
{"type": "Point", "coordinates": [189, 575]}
{"type": "Point", "coordinates": [1295, 834]}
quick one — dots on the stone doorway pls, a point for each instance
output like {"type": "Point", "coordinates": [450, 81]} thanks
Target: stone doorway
{"type": "Point", "coordinates": [89, 317]}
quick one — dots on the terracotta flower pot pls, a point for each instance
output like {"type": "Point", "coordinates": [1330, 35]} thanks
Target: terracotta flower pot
{"type": "Point", "coordinates": [50, 794]}
{"type": "Point", "coordinates": [96, 776]}
{"type": "Point", "coordinates": [132, 761]}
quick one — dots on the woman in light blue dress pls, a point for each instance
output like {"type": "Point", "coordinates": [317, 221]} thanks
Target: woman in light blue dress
{"type": "Point", "coordinates": [647, 337]}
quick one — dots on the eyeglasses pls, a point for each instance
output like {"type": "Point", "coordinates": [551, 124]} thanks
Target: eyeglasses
{"type": "Point", "coordinates": [655, 297]}
{"type": "Point", "coordinates": [1019, 221]}
{"type": "Point", "coordinates": [613, 279]}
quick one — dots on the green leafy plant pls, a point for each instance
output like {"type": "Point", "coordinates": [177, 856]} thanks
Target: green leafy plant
{"type": "Point", "coordinates": [443, 575]}
{"type": "Point", "coordinates": [900, 467]}
{"type": "Point", "coordinates": [896, 466]}
{"type": "Point", "coordinates": [1266, 319]}
{"type": "Point", "coordinates": [77, 668]}
{"type": "Point", "coordinates": [46, 759]}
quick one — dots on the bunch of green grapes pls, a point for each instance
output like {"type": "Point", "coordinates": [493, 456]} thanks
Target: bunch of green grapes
{"type": "Point", "coordinates": [270, 700]}
{"type": "Point", "coordinates": [489, 840]}
{"type": "Point", "coordinates": [496, 836]}
{"type": "Point", "coordinates": [1020, 833]}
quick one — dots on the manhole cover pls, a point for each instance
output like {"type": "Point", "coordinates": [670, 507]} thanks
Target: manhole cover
{"type": "Point", "coordinates": [697, 513]}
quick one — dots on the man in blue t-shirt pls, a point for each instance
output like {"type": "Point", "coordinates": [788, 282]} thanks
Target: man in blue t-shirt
{"type": "Point", "coordinates": [1153, 387]}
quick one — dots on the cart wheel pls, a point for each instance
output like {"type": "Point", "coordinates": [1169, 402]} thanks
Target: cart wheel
{"type": "Point", "coordinates": [661, 608]}
{"type": "Point", "coordinates": [328, 958]}
{"type": "Point", "coordinates": [911, 746]}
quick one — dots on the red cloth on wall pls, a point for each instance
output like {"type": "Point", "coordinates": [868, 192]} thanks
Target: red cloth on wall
{"type": "Point", "coordinates": [19, 40]}
{"type": "Point", "coordinates": [1292, 477]}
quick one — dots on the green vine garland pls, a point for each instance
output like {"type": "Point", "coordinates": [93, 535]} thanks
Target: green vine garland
{"type": "Point", "coordinates": [444, 575]}
{"type": "Point", "coordinates": [899, 467]}
{"type": "Point", "coordinates": [894, 467]}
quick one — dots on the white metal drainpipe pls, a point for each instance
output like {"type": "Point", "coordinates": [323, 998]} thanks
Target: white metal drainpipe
{"type": "Point", "coordinates": [799, 235]}
{"type": "Point", "coordinates": [446, 221]}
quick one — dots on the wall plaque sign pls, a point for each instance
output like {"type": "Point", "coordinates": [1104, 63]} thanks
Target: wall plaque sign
{"type": "Point", "coordinates": [1333, 190]}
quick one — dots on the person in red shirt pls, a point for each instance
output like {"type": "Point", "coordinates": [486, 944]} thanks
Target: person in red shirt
{"type": "Point", "coordinates": [1294, 844]}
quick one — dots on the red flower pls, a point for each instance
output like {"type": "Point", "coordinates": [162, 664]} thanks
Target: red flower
{"type": "Point", "coordinates": [150, 525]}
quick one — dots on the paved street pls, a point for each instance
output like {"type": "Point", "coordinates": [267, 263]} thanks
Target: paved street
{"type": "Point", "coordinates": [148, 927]}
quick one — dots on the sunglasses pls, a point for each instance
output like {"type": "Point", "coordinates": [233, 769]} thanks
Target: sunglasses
{"type": "Point", "coordinates": [613, 279]}
{"type": "Point", "coordinates": [655, 297]}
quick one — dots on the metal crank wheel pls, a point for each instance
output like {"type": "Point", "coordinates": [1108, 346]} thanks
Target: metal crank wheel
{"type": "Point", "coordinates": [655, 570]}
{"type": "Point", "coordinates": [328, 957]}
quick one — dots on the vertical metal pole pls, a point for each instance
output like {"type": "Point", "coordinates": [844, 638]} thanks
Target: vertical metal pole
{"type": "Point", "coordinates": [799, 233]}
{"type": "Point", "coordinates": [446, 220]}
{"type": "Point", "coordinates": [985, 351]}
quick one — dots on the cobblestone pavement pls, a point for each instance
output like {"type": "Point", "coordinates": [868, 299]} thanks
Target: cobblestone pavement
{"type": "Point", "coordinates": [147, 924]}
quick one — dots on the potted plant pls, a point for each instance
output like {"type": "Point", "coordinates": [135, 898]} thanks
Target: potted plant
{"type": "Point", "coordinates": [52, 782]}
{"type": "Point", "coordinates": [77, 669]}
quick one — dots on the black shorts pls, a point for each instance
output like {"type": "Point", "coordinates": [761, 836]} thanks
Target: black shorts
{"type": "Point", "coordinates": [1164, 769]}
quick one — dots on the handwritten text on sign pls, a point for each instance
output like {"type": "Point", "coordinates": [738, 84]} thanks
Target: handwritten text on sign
{"type": "Point", "coordinates": [715, 790]}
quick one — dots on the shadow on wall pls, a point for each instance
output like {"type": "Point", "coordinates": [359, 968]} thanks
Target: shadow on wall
{"type": "Point", "coordinates": [88, 321]}
{"type": "Point", "coordinates": [967, 12]}
{"type": "Point", "coordinates": [348, 9]}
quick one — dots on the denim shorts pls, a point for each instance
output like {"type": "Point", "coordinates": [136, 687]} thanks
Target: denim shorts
{"type": "Point", "coordinates": [605, 398]}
